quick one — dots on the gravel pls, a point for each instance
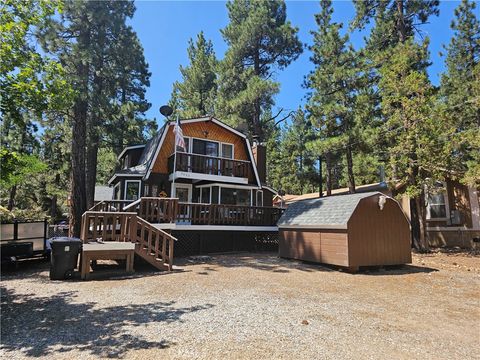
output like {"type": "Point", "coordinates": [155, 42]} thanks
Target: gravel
{"type": "Point", "coordinates": [247, 306]}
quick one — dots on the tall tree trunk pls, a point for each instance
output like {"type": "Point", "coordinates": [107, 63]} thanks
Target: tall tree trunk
{"type": "Point", "coordinates": [419, 222]}
{"type": "Point", "coordinates": [78, 203]}
{"type": "Point", "coordinates": [328, 165]}
{"type": "Point", "coordinates": [11, 197]}
{"type": "Point", "coordinates": [91, 169]}
{"type": "Point", "coordinates": [257, 128]}
{"type": "Point", "coordinates": [351, 177]}
{"type": "Point", "coordinates": [401, 29]}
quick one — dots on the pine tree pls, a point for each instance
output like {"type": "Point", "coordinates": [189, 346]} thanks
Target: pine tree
{"type": "Point", "coordinates": [195, 94]}
{"type": "Point", "coordinates": [460, 92]}
{"type": "Point", "coordinates": [333, 91]}
{"type": "Point", "coordinates": [417, 146]}
{"type": "Point", "coordinates": [261, 40]}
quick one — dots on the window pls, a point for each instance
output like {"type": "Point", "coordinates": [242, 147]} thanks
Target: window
{"type": "Point", "coordinates": [145, 190]}
{"type": "Point", "coordinates": [227, 151]}
{"type": "Point", "coordinates": [259, 198]}
{"type": "Point", "coordinates": [132, 189]}
{"type": "Point", "coordinates": [205, 195]}
{"type": "Point", "coordinates": [235, 196]}
{"type": "Point", "coordinates": [154, 190]}
{"type": "Point", "coordinates": [116, 192]}
{"type": "Point", "coordinates": [437, 206]}
{"type": "Point", "coordinates": [203, 147]}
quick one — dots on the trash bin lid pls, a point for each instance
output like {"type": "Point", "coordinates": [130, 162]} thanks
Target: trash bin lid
{"type": "Point", "coordinates": [64, 239]}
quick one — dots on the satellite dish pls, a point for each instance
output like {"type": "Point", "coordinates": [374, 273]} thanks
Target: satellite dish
{"type": "Point", "coordinates": [166, 110]}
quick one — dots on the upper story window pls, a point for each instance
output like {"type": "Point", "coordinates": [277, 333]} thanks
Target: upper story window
{"type": "Point", "coordinates": [205, 147]}
{"type": "Point", "coordinates": [227, 151]}
{"type": "Point", "coordinates": [437, 203]}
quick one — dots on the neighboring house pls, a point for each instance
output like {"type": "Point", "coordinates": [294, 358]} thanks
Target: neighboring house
{"type": "Point", "coordinates": [219, 166]}
{"type": "Point", "coordinates": [285, 200]}
{"type": "Point", "coordinates": [453, 215]}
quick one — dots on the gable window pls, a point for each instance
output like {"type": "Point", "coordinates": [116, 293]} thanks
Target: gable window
{"type": "Point", "coordinates": [437, 204]}
{"type": "Point", "coordinates": [132, 189]}
{"type": "Point", "coordinates": [204, 147]}
{"type": "Point", "coordinates": [227, 151]}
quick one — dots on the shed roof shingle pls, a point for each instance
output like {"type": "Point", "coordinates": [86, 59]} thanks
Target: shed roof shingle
{"type": "Point", "coordinates": [331, 211]}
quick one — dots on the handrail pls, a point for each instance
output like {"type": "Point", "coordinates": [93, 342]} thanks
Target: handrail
{"type": "Point", "coordinates": [155, 245]}
{"type": "Point", "coordinates": [136, 202]}
{"type": "Point", "coordinates": [210, 156]}
{"type": "Point", "coordinates": [108, 205]}
{"type": "Point", "coordinates": [157, 209]}
{"type": "Point", "coordinates": [213, 165]}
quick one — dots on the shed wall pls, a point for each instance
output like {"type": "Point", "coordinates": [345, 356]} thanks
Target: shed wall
{"type": "Point", "coordinates": [378, 237]}
{"type": "Point", "coordinates": [323, 246]}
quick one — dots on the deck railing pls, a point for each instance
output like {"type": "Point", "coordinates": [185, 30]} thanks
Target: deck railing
{"type": "Point", "coordinates": [110, 205]}
{"type": "Point", "coordinates": [211, 165]}
{"type": "Point", "coordinates": [158, 210]}
{"type": "Point", "coordinates": [155, 242]}
{"type": "Point", "coordinates": [155, 245]}
{"type": "Point", "coordinates": [220, 214]}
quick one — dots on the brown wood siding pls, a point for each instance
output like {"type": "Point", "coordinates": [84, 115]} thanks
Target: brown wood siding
{"type": "Point", "coordinates": [323, 246]}
{"type": "Point", "coordinates": [459, 199]}
{"type": "Point", "coordinates": [378, 237]}
{"type": "Point", "coordinates": [198, 129]}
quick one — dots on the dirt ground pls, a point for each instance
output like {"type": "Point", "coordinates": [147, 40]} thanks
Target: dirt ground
{"type": "Point", "coordinates": [247, 306]}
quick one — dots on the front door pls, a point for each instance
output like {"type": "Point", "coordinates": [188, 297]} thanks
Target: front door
{"type": "Point", "coordinates": [184, 194]}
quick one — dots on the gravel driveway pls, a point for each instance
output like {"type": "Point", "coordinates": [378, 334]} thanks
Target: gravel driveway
{"type": "Point", "coordinates": [247, 306]}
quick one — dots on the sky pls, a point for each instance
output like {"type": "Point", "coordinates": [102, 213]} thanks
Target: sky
{"type": "Point", "coordinates": [164, 28]}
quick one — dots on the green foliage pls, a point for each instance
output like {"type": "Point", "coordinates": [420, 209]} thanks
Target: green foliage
{"type": "Point", "coordinates": [291, 165]}
{"type": "Point", "coordinates": [17, 168]}
{"type": "Point", "coordinates": [417, 141]}
{"type": "Point", "coordinates": [460, 92]}
{"type": "Point", "coordinates": [261, 40]}
{"type": "Point", "coordinates": [195, 95]}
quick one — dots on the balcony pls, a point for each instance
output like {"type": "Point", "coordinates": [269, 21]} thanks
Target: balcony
{"type": "Point", "coordinates": [203, 167]}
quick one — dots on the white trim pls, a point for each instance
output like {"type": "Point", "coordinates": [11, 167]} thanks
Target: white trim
{"type": "Point", "coordinates": [129, 148]}
{"type": "Point", "coordinates": [253, 162]}
{"type": "Point", "coordinates": [474, 207]}
{"type": "Point", "coordinates": [444, 191]}
{"type": "Point", "coordinates": [180, 185]}
{"type": "Point", "coordinates": [123, 175]}
{"type": "Point", "coordinates": [159, 146]}
{"type": "Point", "coordinates": [228, 185]}
{"type": "Point", "coordinates": [271, 190]}
{"type": "Point", "coordinates": [178, 227]}
{"type": "Point", "coordinates": [450, 228]}
{"type": "Point", "coordinates": [139, 189]}
{"type": "Point", "coordinates": [215, 121]}
{"type": "Point", "coordinates": [208, 177]}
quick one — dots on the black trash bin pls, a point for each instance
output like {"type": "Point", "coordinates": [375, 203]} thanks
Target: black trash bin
{"type": "Point", "coordinates": [64, 257]}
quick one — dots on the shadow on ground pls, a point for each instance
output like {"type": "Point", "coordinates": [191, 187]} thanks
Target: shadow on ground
{"type": "Point", "coordinates": [271, 262]}
{"type": "Point", "coordinates": [40, 326]}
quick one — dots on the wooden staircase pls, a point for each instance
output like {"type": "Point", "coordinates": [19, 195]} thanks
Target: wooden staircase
{"type": "Point", "coordinates": [153, 245]}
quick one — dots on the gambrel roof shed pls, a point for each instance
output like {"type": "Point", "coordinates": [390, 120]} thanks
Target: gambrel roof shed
{"type": "Point", "coordinates": [352, 230]}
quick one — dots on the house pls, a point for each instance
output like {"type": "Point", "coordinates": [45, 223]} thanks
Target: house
{"type": "Point", "coordinates": [285, 200]}
{"type": "Point", "coordinates": [219, 166]}
{"type": "Point", "coordinates": [362, 229]}
{"type": "Point", "coordinates": [453, 215]}
{"type": "Point", "coordinates": [219, 182]}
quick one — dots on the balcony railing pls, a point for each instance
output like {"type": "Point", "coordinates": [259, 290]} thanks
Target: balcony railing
{"type": "Point", "coordinates": [169, 210]}
{"type": "Point", "coordinates": [211, 165]}
{"type": "Point", "coordinates": [222, 214]}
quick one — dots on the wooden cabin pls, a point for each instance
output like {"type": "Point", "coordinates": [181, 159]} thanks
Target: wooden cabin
{"type": "Point", "coordinates": [218, 186]}
{"type": "Point", "coordinates": [364, 229]}
{"type": "Point", "coordinates": [453, 214]}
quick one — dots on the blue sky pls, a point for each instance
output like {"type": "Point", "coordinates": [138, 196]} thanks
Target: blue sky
{"type": "Point", "coordinates": [164, 28]}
